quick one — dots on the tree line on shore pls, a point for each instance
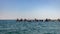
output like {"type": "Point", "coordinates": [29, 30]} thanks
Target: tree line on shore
{"type": "Point", "coordinates": [36, 20]}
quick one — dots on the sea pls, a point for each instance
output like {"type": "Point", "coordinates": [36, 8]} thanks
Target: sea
{"type": "Point", "coordinates": [14, 27]}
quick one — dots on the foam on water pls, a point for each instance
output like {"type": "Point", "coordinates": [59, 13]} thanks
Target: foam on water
{"type": "Point", "coordinates": [13, 27]}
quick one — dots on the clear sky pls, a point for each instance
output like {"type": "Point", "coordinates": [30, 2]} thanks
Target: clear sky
{"type": "Point", "coordinates": [41, 9]}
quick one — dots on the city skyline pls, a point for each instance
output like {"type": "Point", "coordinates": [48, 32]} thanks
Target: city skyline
{"type": "Point", "coordinates": [40, 9]}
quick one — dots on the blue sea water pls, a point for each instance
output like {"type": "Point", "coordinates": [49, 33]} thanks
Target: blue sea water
{"type": "Point", "coordinates": [13, 27]}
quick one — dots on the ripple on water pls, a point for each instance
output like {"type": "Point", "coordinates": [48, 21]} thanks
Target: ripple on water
{"type": "Point", "coordinates": [12, 27]}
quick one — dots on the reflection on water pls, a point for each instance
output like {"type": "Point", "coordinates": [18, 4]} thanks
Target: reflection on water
{"type": "Point", "coordinates": [13, 27]}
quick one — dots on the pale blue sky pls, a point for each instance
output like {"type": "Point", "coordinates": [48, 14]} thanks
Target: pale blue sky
{"type": "Point", "coordinates": [41, 9]}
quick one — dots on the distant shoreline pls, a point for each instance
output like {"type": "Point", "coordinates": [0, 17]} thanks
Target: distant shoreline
{"type": "Point", "coordinates": [36, 20]}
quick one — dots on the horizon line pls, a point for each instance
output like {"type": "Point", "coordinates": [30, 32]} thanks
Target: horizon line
{"type": "Point", "coordinates": [30, 19]}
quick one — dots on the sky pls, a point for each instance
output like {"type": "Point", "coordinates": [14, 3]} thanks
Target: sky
{"type": "Point", "coordinates": [30, 9]}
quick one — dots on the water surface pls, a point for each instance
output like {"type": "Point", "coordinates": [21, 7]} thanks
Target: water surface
{"type": "Point", "coordinates": [13, 27]}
